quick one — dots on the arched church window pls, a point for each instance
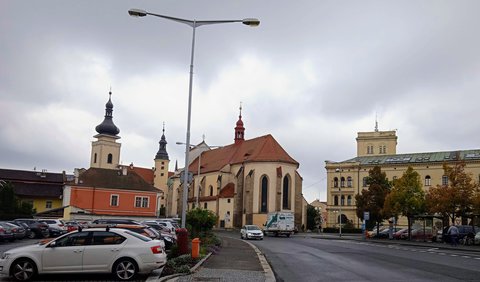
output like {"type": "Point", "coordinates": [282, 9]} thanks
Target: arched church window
{"type": "Point", "coordinates": [109, 158]}
{"type": "Point", "coordinates": [211, 190]}
{"type": "Point", "coordinates": [286, 193]}
{"type": "Point", "coordinates": [264, 195]}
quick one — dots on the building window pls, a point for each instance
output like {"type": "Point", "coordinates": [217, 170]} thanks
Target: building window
{"type": "Point", "coordinates": [162, 168]}
{"type": "Point", "coordinates": [205, 206]}
{"type": "Point", "coordinates": [163, 163]}
{"type": "Point", "coordinates": [444, 180]}
{"type": "Point", "coordinates": [162, 174]}
{"type": "Point", "coordinates": [365, 182]}
{"type": "Point", "coordinates": [110, 158]}
{"type": "Point", "coordinates": [342, 201]}
{"type": "Point", "coordinates": [228, 201]}
{"type": "Point", "coordinates": [335, 182]}
{"type": "Point", "coordinates": [349, 182]}
{"type": "Point", "coordinates": [335, 201]}
{"type": "Point", "coordinates": [342, 182]}
{"type": "Point", "coordinates": [349, 200]}
{"type": "Point", "coordinates": [95, 158]}
{"type": "Point", "coordinates": [384, 149]}
{"type": "Point", "coordinates": [428, 180]}
{"type": "Point", "coordinates": [286, 193]}
{"type": "Point", "coordinates": [141, 202]}
{"type": "Point", "coordinates": [114, 200]}
{"type": "Point", "coordinates": [264, 195]}
{"type": "Point", "coordinates": [211, 190]}
{"type": "Point", "coordinates": [48, 204]}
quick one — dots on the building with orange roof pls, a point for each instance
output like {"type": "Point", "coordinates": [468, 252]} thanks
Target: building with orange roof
{"type": "Point", "coordinates": [242, 182]}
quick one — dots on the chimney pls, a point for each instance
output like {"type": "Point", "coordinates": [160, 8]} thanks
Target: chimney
{"type": "Point", "coordinates": [76, 173]}
{"type": "Point", "coordinates": [124, 170]}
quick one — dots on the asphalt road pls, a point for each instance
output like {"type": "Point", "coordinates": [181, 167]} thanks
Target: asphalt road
{"type": "Point", "coordinates": [311, 259]}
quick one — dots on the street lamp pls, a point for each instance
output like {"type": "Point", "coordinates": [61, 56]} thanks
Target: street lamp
{"type": "Point", "coordinates": [194, 24]}
{"type": "Point", "coordinates": [341, 202]}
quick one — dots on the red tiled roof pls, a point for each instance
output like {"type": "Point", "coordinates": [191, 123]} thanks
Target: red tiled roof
{"type": "Point", "coordinates": [113, 178]}
{"type": "Point", "coordinates": [228, 191]}
{"type": "Point", "coordinates": [260, 149]}
{"type": "Point", "coordinates": [145, 173]}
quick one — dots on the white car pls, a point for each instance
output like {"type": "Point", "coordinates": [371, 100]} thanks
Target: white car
{"type": "Point", "coordinates": [95, 250]}
{"type": "Point", "coordinates": [251, 232]}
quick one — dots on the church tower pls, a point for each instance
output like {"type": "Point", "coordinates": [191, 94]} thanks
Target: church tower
{"type": "Point", "coordinates": [161, 164]}
{"type": "Point", "coordinates": [160, 176]}
{"type": "Point", "coordinates": [106, 151]}
{"type": "Point", "coordinates": [239, 129]}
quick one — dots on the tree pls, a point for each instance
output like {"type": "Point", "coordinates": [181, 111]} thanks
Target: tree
{"type": "Point", "coordinates": [200, 221]}
{"type": "Point", "coordinates": [457, 198]}
{"type": "Point", "coordinates": [10, 205]}
{"type": "Point", "coordinates": [312, 215]}
{"type": "Point", "coordinates": [407, 197]}
{"type": "Point", "coordinates": [373, 198]}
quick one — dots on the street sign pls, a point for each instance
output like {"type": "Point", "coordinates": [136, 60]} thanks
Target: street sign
{"type": "Point", "coordinates": [366, 215]}
{"type": "Point", "coordinates": [182, 177]}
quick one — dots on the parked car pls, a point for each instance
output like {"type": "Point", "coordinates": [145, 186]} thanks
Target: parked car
{"type": "Point", "coordinates": [169, 224]}
{"type": "Point", "coordinates": [133, 254]}
{"type": "Point", "coordinates": [60, 224]}
{"type": "Point", "coordinates": [55, 231]}
{"type": "Point", "coordinates": [251, 232]}
{"type": "Point", "coordinates": [168, 237]}
{"type": "Point", "coordinates": [6, 232]}
{"type": "Point", "coordinates": [384, 233]}
{"type": "Point", "coordinates": [38, 228]}
{"type": "Point", "coordinates": [24, 226]}
{"type": "Point", "coordinates": [116, 221]}
{"type": "Point", "coordinates": [464, 232]}
{"type": "Point", "coordinates": [140, 229]}
{"type": "Point", "coordinates": [401, 234]}
{"type": "Point", "coordinates": [422, 234]}
{"type": "Point", "coordinates": [477, 238]}
{"type": "Point", "coordinates": [18, 231]}
{"type": "Point", "coordinates": [73, 225]}
{"type": "Point", "coordinates": [373, 231]}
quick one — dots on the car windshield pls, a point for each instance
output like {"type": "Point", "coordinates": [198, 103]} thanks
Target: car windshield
{"type": "Point", "coordinates": [253, 227]}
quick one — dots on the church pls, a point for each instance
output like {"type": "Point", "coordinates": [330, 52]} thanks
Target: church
{"type": "Point", "coordinates": [241, 182]}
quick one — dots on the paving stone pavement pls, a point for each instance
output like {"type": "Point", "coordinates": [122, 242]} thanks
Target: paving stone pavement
{"type": "Point", "coordinates": [237, 260]}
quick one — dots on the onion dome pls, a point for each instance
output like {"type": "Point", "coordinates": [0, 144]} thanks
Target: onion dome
{"type": "Point", "coordinates": [107, 126]}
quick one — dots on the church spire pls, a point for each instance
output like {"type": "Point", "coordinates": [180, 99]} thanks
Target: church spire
{"type": "Point", "coordinates": [162, 150]}
{"type": "Point", "coordinates": [107, 126]}
{"type": "Point", "coordinates": [239, 129]}
{"type": "Point", "coordinates": [376, 123]}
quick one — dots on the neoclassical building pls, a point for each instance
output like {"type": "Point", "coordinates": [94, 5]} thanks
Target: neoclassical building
{"type": "Point", "coordinates": [242, 182]}
{"type": "Point", "coordinates": [345, 179]}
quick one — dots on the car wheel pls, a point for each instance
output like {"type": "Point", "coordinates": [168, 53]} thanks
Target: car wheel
{"type": "Point", "coordinates": [125, 269]}
{"type": "Point", "coordinates": [23, 269]}
{"type": "Point", "coordinates": [31, 235]}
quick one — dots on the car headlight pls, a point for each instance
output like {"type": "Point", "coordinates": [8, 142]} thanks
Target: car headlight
{"type": "Point", "coordinates": [5, 255]}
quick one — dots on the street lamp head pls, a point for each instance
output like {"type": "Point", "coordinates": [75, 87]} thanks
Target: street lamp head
{"type": "Point", "coordinates": [137, 12]}
{"type": "Point", "coordinates": [251, 22]}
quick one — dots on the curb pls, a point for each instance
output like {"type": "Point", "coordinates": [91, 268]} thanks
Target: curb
{"type": "Point", "coordinates": [269, 276]}
{"type": "Point", "coordinates": [193, 269]}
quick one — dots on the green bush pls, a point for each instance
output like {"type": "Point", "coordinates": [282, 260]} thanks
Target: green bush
{"type": "Point", "coordinates": [200, 222]}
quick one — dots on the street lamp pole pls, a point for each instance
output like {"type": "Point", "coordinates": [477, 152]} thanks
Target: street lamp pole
{"type": "Point", "coordinates": [194, 24]}
{"type": "Point", "coordinates": [341, 202]}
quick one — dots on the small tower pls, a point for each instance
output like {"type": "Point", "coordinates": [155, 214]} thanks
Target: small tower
{"type": "Point", "coordinates": [106, 151]}
{"type": "Point", "coordinates": [162, 161]}
{"type": "Point", "coordinates": [376, 142]}
{"type": "Point", "coordinates": [239, 129]}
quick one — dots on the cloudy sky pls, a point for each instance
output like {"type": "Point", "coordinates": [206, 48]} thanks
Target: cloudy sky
{"type": "Point", "coordinates": [313, 74]}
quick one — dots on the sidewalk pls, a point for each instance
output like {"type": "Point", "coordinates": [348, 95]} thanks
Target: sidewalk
{"type": "Point", "coordinates": [237, 260]}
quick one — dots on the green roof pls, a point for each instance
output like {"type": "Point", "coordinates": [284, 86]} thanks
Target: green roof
{"type": "Point", "coordinates": [416, 158]}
